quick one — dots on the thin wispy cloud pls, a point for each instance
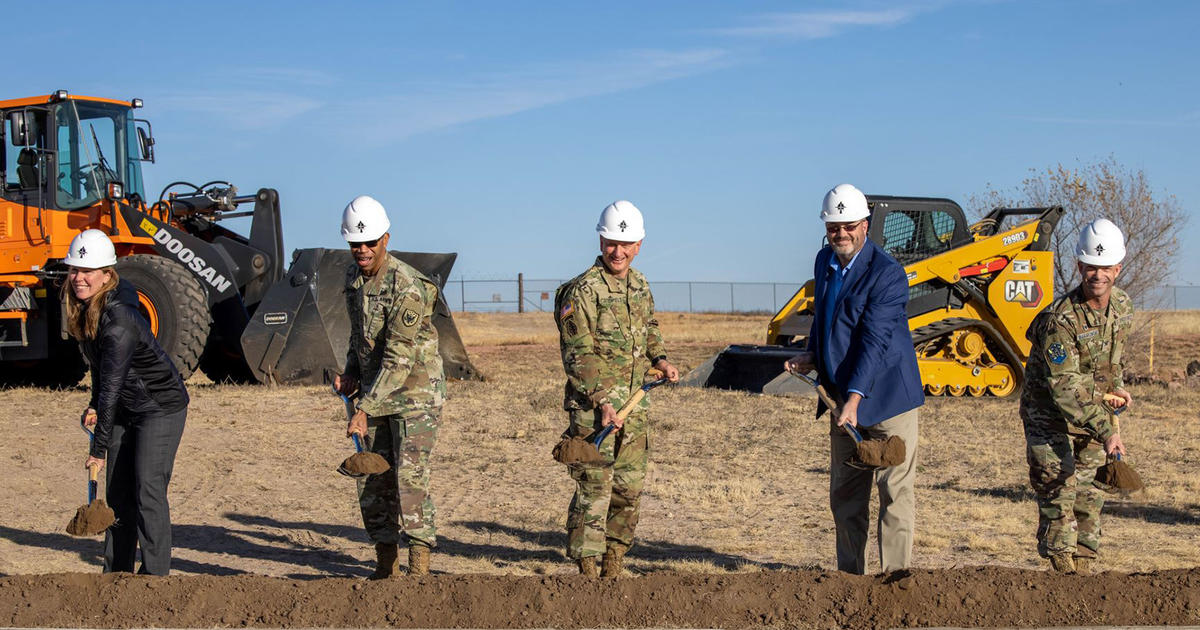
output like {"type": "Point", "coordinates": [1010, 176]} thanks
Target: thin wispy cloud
{"type": "Point", "coordinates": [415, 108]}
{"type": "Point", "coordinates": [242, 110]}
{"type": "Point", "coordinates": [258, 75]}
{"type": "Point", "coordinates": [816, 24]}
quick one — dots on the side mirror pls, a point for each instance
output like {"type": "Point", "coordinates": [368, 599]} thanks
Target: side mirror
{"type": "Point", "coordinates": [19, 123]}
{"type": "Point", "coordinates": [146, 142]}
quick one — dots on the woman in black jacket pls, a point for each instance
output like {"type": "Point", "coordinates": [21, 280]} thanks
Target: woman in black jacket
{"type": "Point", "coordinates": [138, 404]}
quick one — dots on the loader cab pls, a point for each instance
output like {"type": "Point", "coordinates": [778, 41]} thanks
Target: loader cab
{"type": "Point", "coordinates": [915, 228]}
{"type": "Point", "coordinates": [62, 154]}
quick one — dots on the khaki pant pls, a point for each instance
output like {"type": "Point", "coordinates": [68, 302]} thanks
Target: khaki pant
{"type": "Point", "coordinates": [850, 497]}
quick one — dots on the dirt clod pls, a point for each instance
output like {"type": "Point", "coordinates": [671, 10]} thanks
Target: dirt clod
{"type": "Point", "coordinates": [91, 519]}
{"type": "Point", "coordinates": [882, 453]}
{"type": "Point", "coordinates": [576, 450]}
{"type": "Point", "coordinates": [1119, 476]}
{"type": "Point", "coordinates": [366, 463]}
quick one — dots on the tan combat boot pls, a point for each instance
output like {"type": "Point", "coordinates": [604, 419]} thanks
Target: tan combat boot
{"type": "Point", "coordinates": [387, 561]}
{"type": "Point", "coordinates": [614, 558]}
{"type": "Point", "coordinates": [1085, 565]}
{"type": "Point", "coordinates": [418, 560]}
{"type": "Point", "coordinates": [587, 566]}
{"type": "Point", "coordinates": [1063, 562]}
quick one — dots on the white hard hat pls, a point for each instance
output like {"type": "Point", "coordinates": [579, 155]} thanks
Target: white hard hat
{"type": "Point", "coordinates": [621, 221]}
{"type": "Point", "coordinates": [91, 249]}
{"type": "Point", "coordinates": [364, 219]}
{"type": "Point", "coordinates": [1101, 243]}
{"type": "Point", "coordinates": [844, 204]}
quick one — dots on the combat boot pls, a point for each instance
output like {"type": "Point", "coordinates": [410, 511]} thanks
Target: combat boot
{"type": "Point", "coordinates": [387, 561]}
{"type": "Point", "coordinates": [418, 560]}
{"type": "Point", "coordinates": [1085, 565]}
{"type": "Point", "coordinates": [614, 558]}
{"type": "Point", "coordinates": [1063, 562]}
{"type": "Point", "coordinates": [587, 566]}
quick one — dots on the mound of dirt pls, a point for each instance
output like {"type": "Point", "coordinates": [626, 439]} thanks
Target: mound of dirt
{"type": "Point", "coordinates": [91, 519]}
{"type": "Point", "coordinates": [882, 453]}
{"type": "Point", "coordinates": [576, 450]}
{"type": "Point", "coordinates": [1119, 476]}
{"type": "Point", "coordinates": [982, 596]}
{"type": "Point", "coordinates": [366, 463]}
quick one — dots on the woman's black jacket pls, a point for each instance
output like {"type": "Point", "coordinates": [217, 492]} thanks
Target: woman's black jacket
{"type": "Point", "coordinates": [132, 378]}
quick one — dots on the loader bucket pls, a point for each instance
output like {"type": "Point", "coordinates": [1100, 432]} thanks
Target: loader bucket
{"type": "Point", "coordinates": [749, 368]}
{"type": "Point", "coordinates": [301, 331]}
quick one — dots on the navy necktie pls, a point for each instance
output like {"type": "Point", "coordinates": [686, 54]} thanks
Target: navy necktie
{"type": "Point", "coordinates": [832, 287]}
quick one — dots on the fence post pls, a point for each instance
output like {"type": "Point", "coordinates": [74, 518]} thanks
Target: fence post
{"type": "Point", "coordinates": [520, 293]}
{"type": "Point", "coordinates": [730, 297]}
{"type": "Point", "coordinates": [462, 293]}
{"type": "Point", "coordinates": [690, 298]}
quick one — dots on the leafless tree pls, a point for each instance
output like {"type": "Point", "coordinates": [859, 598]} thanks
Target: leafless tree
{"type": "Point", "coordinates": [1150, 220]}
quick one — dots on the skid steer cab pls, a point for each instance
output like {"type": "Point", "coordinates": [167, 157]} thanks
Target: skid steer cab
{"type": "Point", "coordinates": [973, 291]}
{"type": "Point", "coordinates": [72, 163]}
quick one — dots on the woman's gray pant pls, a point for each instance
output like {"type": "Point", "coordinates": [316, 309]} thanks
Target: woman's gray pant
{"type": "Point", "coordinates": [141, 456]}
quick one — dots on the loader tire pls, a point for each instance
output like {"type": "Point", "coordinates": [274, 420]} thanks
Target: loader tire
{"type": "Point", "coordinates": [174, 303]}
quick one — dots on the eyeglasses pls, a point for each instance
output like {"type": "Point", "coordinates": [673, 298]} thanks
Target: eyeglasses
{"type": "Point", "coordinates": [834, 228]}
{"type": "Point", "coordinates": [369, 244]}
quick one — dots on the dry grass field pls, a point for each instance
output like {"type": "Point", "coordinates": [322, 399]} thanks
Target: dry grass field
{"type": "Point", "coordinates": [738, 482]}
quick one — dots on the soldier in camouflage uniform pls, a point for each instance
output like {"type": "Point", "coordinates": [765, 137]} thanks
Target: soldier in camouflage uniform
{"type": "Point", "coordinates": [394, 365]}
{"type": "Point", "coordinates": [609, 338]}
{"type": "Point", "coordinates": [1075, 359]}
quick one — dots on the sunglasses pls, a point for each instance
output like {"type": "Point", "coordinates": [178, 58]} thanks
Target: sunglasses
{"type": "Point", "coordinates": [370, 244]}
{"type": "Point", "coordinates": [834, 228]}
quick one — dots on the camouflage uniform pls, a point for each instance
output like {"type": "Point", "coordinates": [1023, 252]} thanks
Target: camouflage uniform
{"type": "Point", "coordinates": [1075, 359]}
{"type": "Point", "coordinates": [609, 338]}
{"type": "Point", "coordinates": [394, 354]}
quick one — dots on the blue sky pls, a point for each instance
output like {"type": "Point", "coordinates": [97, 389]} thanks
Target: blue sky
{"type": "Point", "coordinates": [501, 129]}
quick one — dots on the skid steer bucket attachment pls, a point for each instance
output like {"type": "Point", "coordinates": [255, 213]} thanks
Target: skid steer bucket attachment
{"type": "Point", "coordinates": [749, 368]}
{"type": "Point", "coordinates": [300, 332]}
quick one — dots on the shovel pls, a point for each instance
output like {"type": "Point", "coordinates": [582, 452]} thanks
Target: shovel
{"type": "Point", "coordinates": [362, 462]}
{"type": "Point", "coordinates": [577, 450]}
{"type": "Point", "coordinates": [95, 516]}
{"type": "Point", "coordinates": [869, 454]}
{"type": "Point", "coordinates": [1116, 476]}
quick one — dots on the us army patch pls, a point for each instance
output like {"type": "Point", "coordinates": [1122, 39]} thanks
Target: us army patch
{"type": "Point", "coordinates": [1056, 353]}
{"type": "Point", "coordinates": [1088, 335]}
{"type": "Point", "coordinates": [410, 318]}
{"type": "Point", "coordinates": [567, 315]}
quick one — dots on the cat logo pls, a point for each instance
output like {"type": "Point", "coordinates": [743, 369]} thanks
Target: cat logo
{"type": "Point", "coordinates": [1027, 293]}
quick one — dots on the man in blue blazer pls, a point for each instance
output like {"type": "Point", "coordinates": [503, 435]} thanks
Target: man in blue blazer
{"type": "Point", "coordinates": [863, 353]}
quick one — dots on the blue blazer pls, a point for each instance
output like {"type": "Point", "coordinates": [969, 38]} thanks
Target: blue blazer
{"type": "Point", "coordinates": [870, 346]}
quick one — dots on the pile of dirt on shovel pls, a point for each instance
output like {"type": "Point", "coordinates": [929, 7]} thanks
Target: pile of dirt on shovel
{"type": "Point", "coordinates": [980, 596]}
{"type": "Point", "coordinates": [883, 453]}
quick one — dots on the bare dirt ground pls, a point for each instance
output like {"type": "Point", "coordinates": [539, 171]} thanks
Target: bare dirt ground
{"type": "Point", "coordinates": [735, 529]}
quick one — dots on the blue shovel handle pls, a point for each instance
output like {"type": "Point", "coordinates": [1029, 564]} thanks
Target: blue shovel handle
{"type": "Point", "coordinates": [93, 484]}
{"type": "Point", "coordinates": [603, 434]}
{"type": "Point", "coordinates": [358, 446]}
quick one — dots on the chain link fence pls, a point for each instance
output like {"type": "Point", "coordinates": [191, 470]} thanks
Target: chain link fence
{"type": "Point", "coordinates": [537, 294]}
